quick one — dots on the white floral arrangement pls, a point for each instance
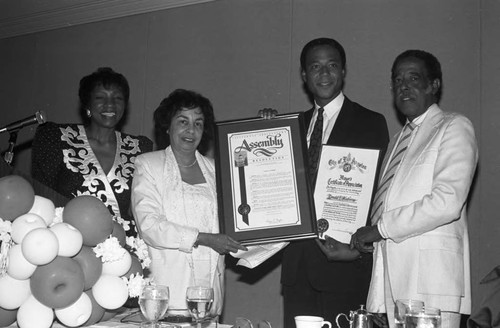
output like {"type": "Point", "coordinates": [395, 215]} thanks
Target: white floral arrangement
{"type": "Point", "coordinates": [140, 249]}
{"type": "Point", "coordinates": [136, 283]}
{"type": "Point", "coordinates": [5, 230]}
{"type": "Point", "coordinates": [110, 250]}
{"type": "Point", "coordinates": [6, 242]}
{"type": "Point", "coordinates": [136, 244]}
{"type": "Point", "coordinates": [58, 216]}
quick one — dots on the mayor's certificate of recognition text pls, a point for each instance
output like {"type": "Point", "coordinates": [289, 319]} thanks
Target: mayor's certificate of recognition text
{"type": "Point", "coordinates": [264, 186]}
{"type": "Point", "coordinates": [343, 191]}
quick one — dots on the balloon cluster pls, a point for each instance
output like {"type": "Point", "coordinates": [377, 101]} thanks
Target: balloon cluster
{"type": "Point", "coordinates": [51, 268]}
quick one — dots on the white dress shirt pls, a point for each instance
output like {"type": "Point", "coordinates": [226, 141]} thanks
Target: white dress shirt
{"type": "Point", "coordinates": [330, 115]}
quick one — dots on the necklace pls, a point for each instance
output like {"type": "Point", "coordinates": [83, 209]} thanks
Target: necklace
{"type": "Point", "coordinates": [190, 165]}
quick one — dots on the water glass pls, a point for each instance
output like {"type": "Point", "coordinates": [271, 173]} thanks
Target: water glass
{"type": "Point", "coordinates": [427, 317]}
{"type": "Point", "coordinates": [403, 307]}
{"type": "Point", "coordinates": [153, 302]}
{"type": "Point", "coordinates": [199, 301]}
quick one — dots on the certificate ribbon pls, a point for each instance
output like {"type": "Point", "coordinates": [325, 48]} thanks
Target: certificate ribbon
{"type": "Point", "coordinates": [242, 161]}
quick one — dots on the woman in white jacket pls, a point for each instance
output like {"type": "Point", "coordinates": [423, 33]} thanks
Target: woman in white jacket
{"type": "Point", "coordinates": [174, 202]}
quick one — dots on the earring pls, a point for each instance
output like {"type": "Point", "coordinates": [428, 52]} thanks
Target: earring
{"type": "Point", "coordinates": [89, 114]}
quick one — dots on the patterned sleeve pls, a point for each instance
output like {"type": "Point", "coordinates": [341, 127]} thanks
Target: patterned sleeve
{"type": "Point", "coordinates": [46, 155]}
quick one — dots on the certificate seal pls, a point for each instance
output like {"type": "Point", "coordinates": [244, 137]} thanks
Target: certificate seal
{"type": "Point", "coordinates": [347, 167]}
{"type": "Point", "coordinates": [244, 209]}
{"type": "Point", "coordinates": [322, 226]}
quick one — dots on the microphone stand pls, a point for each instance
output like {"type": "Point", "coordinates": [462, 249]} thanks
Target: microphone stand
{"type": "Point", "coordinates": [9, 154]}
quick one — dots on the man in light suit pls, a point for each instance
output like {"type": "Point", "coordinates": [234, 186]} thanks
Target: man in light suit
{"type": "Point", "coordinates": [315, 284]}
{"type": "Point", "coordinates": [419, 222]}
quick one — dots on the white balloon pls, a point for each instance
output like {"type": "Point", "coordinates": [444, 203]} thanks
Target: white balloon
{"type": "Point", "coordinates": [24, 224]}
{"type": "Point", "coordinates": [40, 246]}
{"type": "Point", "coordinates": [77, 313]}
{"type": "Point", "coordinates": [33, 314]}
{"type": "Point", "coordinates": [13, 292]}
{"type": "Point", "coordinates": [70, 239]}
{"type": "Point", "coordinates": [110, 292]}
{"type": "Point", "coordinates": [118, 267]}
{"type": "Point", "coordinates": [45, 208]}
{"type": "Point", "coordinates": [19, 267]}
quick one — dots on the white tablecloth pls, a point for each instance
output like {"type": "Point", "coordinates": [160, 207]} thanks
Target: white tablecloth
{"type": "Point", "coordinates": [130, 318]}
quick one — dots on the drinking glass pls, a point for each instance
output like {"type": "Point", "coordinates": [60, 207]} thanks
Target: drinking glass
{"type": "Point", "coordinates": [199, 300]}
{"type": "Point", "coordinates": [426, 317]}
{"type": "Point", "coordinates": [153, 302]}
{"type": "Point", "coordinates": [403, 307]}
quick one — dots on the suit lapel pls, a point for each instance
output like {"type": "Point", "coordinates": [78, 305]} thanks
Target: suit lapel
{"type": "Point", "coordinates": [425, 133]}
{"type": "Point", "coordinates": [342, 128]}
{"type": "Point", "coordinates": [308, 117]}
{"type": "Point", "coordinates": [343, 131]}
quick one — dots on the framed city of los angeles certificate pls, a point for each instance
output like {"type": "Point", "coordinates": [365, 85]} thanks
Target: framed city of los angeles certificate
{"type": "Point", "coordinates": [262, 184]}
{"type": "Point", "coordinates": [344, 188]}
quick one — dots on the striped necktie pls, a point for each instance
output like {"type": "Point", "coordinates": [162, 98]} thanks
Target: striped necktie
{"type": "Point", "coordinates": [392, 166]}
{"type": "Point", "coordinates": [315, 146]}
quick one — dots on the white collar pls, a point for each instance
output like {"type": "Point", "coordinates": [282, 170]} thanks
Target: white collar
{"type": "Point", "coordinates": [419, 119]}
{"type": "Point", "coordinates": [334, 106]}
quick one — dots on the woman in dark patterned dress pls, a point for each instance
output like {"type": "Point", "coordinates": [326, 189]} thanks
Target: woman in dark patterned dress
{"type": "Point", "coordinates": [94, 158]}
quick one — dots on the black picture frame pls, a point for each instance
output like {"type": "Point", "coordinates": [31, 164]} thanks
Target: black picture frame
{"type": "Point", "coordinates": [232, 184]}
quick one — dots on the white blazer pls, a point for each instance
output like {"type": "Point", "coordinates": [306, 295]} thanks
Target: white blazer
{"type": "Point", "coordinates": [426, 251]}
{"type": "Point", "coordinates": [158, 205]}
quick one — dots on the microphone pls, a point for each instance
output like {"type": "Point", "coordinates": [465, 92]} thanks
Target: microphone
{"type": "Point", "coordinates": [39, 118]}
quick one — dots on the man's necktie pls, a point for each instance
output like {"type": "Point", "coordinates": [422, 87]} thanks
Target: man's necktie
{"type": "Point", "coordinates": [392, 166]}
{"type": "Point", "coordinates": [315, 146]}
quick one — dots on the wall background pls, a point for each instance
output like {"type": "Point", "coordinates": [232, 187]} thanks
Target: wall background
{"type": "Point", "coordinates": [244, 55]}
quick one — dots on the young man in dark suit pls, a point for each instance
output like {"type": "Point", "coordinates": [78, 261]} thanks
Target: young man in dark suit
{"type": "Point", "coordinates": [325, 278]}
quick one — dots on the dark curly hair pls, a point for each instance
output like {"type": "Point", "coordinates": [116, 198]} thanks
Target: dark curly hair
{"type": "Point", "coordinates": [106, 77]}
{"type": "Point", "coordinates": [176, 101]}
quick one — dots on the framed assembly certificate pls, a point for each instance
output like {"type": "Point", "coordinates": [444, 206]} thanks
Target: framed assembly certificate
{"type": "Point", "coordinates": [262, 185]}
{"type": "Point", "coordinates": [344, 188]}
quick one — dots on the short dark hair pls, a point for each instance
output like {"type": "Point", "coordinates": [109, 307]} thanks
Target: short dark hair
{"type": "Point", "coordinates": [106, 77]}
{"type": "Point", "coordinates": [431, 63]}
{"type": "Point", "coordinates": [176, 101]}
{"type": "Point", "coordinates": [321, 42]}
